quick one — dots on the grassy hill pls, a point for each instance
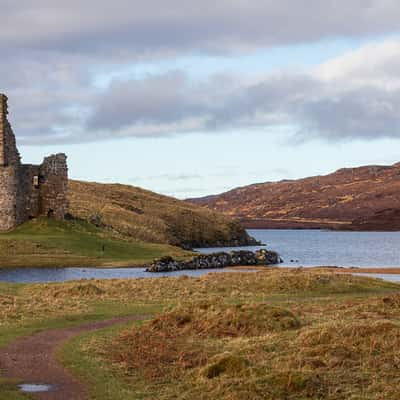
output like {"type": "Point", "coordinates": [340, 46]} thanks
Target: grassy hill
{"type": "Point", "coordinates": [49, 243]}
{"type": "Point", "coordinates": [364, 198]}
{"type": "Point", "coordinates": [150, 217]}
{"type": "Point", "coordinates": [117, 225]}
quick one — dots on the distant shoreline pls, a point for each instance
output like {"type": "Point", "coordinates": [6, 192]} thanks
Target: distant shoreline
{"type": "Point", "coordinates": [341, 226]}
{"type": "Point", "coordinates": [342, 270]}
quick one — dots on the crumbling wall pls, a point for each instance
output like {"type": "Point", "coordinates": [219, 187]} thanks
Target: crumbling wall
{"type": "Point", "coordinates": [3, 124]}
{"type": "Point", "coordinates": [9, 164]}
{"type": "Point", "coordinates": [28, 197]}
{"type": "Point", "coordinates": [28, 191]}
{"type": "Point", "coordinates": [8, 197]}
{"type": "Point", "coordinates": [53, 180]}
{"type": "Point", "coordinates": [42, 189]}
{"type": "Point", "coordinates": [9, 154]}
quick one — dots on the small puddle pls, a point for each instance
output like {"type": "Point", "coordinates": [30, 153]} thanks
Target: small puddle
{"type": "Point", "coordinates": [34, 387]}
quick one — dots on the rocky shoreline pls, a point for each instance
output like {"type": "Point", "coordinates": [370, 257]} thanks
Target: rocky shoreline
{"type": "Point", "coordinates": [217, 260]}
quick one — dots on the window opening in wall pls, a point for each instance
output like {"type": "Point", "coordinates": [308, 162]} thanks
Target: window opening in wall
{"type": "Point", "coordinates": [36, 181]}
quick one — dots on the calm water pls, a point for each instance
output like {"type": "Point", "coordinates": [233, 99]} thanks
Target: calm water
{"type": "Point", "coordinates": [385, 277]}
{"type": "Point", "coordinates": [304, 247]}
{"type": "Point", "coordinates": [319, 247]}
{"type": "Point", "coordinates": [36, 275]}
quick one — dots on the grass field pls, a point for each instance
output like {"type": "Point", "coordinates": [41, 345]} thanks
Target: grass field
{"type": "Point", "coordinates": [266, 335]}
{"type": "Point", "coordinates": [49, 243]}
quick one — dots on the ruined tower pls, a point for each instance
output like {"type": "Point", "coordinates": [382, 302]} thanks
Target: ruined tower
{"type": "Point", "coordinates": [28, 191]}
{"type": "Point", "coordinates": [9, 167]}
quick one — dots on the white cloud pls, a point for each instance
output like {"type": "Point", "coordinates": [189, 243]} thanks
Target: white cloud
{"type": "Point", "coordinates": [49, 50]}
{"type": "Point", "coordinates": [376, 64]}
{"type": "Point", "coordinates": [343, 98]}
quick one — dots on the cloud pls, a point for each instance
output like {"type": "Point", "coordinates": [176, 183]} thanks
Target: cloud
{"type": "Point", "coordinates": [341, 99]}
{"type": "Point", "coordinates": [375, 64]}
{"type": "Point", "coordinates": [166, 177]}
{"type": "Point", "coordinates": [146, 29]}
{"type": "Point", "coordinates": [50, 52]}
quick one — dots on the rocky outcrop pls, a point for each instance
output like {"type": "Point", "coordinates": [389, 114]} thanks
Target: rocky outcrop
{"type": "Point", "coordinates": [217, 260]}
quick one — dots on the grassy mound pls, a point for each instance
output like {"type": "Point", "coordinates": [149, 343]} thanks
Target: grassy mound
{"type": "Point", "coordinates": [49, 243]}
{"type": "Point", "coordinates": [227, 364]}
{"type": "Point", "coordinates": [165, 346]}
{"type": "Point", "coordinates": [221, 320]}
{"type": "Point", "coordinates": [151, 217]}
{"type": "Point", "coordinates": [351, 345]}
{"type": "Point", "coordinates": [80, 290]}
{"type": "Point", "coordinates": [359, 357]}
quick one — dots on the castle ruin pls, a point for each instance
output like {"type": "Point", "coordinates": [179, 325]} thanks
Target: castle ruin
{"type": "Point", "coordinates": [28, 191]}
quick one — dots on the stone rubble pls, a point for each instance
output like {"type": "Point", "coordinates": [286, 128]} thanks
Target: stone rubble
{"type": "Point", "coordinates": [261, 257]}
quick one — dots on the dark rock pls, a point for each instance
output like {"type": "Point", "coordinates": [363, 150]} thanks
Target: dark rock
{"type": "Point", "coordinates": [217, 260]}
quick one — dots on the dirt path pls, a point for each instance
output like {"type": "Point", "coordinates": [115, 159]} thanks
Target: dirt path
{"type": "Point", "coordinates": [32, 360]}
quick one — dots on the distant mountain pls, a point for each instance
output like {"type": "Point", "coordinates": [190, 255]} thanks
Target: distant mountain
{"type": "Point", "coordinates": [363, 198]}
{"type": "Point", "coordinates": [150, 217]}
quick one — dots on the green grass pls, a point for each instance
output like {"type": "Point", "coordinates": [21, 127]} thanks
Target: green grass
{"type": "Point", "coordinates": [9, 391]}
{"type": "Point", "coordinates": [49, 243]}
{"type": "Point", "coordinates": [98, 311]}
{"type": "Point", "coordinates": [104, 383]}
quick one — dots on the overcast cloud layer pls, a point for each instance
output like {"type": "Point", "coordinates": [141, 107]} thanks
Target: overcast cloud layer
{"type": "Point", "coordinates": [51, 50]}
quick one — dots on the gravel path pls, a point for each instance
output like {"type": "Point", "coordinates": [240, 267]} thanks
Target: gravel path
{"type": "Point", "coordinates": [32, 360]}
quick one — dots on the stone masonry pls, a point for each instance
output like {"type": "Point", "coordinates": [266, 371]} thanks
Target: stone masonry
{"type": "Point", "coordinates": [28, 191]}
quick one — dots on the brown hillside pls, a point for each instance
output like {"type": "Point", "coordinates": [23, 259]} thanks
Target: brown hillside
{"type": "Point", "coordinates": [364, 198]}
{"type": "Point", "coordinates": [151, 217]}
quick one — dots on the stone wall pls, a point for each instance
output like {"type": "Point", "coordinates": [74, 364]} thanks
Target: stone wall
{"type": "Point", "coordinates": [28, 191]}
{"type": "Point", "coordinates": [9, 154]}
{"type": "Point", "coordinates": [3, 121]}
{"type": "Point", "coordinates": [8, 195]}
{"type": "Point", "coordinates": [53, 181]}
{"type": "Point", "coordinates": [8, 171]}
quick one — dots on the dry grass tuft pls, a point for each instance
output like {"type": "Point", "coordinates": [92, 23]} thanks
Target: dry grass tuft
{"type": "Point", "coordinates": [366, 346]}
{"type": "Point", "coordinates": [221, 320]}
{"type": "Point", "coordinates": [392, 301]}
{"type": "Point", "coordinates": [80, 290]}
{"type": "Point", "coordinates": [228, 364]}
{"type": "Point", "coordinates": [165, 346]}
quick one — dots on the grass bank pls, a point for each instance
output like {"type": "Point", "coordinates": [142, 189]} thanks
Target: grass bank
{"type": "Point", "coordinates": [48, 243]}
{"type": "Point", "coordinates": [267, 335]}
{"type": "Point", "coordinates": [150, 217]}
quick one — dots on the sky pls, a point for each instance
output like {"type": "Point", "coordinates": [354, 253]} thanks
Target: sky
{"type": "Point", "coordinates": [192, 98]}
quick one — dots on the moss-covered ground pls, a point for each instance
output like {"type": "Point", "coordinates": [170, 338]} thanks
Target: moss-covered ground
{"type": "Point", "coordinates": [266, 335]}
